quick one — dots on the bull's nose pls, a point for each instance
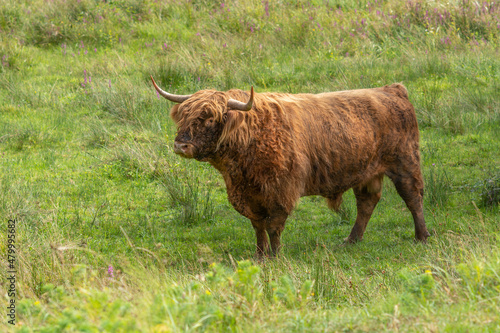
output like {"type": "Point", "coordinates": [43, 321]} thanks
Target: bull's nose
{"type": "Point", "coordinates": [180, 148]}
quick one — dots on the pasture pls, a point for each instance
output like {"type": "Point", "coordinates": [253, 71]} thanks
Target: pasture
{"type": "Point", "coordinates": [115, 233]}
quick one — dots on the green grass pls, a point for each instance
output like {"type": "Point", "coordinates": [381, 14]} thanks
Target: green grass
{"type": "Point", "coordinates": [88, 172]}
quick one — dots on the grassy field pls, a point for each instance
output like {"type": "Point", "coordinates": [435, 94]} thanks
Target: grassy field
{"type": "Point", "coordinates": [115, 233]}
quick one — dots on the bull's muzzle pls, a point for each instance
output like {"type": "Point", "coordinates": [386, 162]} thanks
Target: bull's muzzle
{"type": "Point", "coordinates": [183, 149]}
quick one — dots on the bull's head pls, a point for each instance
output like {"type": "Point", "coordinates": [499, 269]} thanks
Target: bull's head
{"type": "Point", "coordinates": [203, 119]}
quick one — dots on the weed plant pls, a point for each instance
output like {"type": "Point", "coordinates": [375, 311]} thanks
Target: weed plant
{"type": "Point", "coordinates": [438, 187]}
{"type": "Point", "coordinates": [490, 191]}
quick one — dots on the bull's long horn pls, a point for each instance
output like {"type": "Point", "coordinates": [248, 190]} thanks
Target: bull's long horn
{"type": "Point", "coordinates": [170, 97]}
{"type": "Point", "coordinates": [234, 104]}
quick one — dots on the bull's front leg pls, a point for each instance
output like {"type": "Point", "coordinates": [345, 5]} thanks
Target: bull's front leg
{"type": "Point", "coordinates": [260, 232]}
{"type": "Point", "coordinates": [275, 227]}
{"type": "Point", "coordinates": [267, 217]}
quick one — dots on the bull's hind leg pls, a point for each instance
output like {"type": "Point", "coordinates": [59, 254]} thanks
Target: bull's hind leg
{"type": "Point", "coordinates": [410, 187]}
{"type": "Point", "coordinates": [367, 197]}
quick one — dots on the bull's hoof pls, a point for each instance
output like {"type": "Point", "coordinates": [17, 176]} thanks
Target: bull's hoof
{"type": "Point", "coordinates": [350, 240]}
{"type": "Point", "coordinates": [261, 257]}
{"type": "Point", "coordinates": [422, 238]}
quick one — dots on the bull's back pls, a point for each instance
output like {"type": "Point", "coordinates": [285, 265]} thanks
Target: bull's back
{"type": "Point", "coordinates": [379, 109]}
{"type": "Point", "coordinates": [349, 136]}
{"type": "Point", "coordinates": [366, 118]}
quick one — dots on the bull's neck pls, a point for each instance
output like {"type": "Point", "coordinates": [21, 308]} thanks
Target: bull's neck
{"type": "Point", "coordinates": [226, 159]}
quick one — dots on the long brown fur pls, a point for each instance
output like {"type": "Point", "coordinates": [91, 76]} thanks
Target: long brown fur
{"type": "Point", "coordinates": [288, 146]}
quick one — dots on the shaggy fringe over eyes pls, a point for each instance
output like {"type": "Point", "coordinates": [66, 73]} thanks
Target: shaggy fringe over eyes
{"type": "Point", "coordinates": [202, 105]}
{"type": "Point", "coordinates": [238, 125]}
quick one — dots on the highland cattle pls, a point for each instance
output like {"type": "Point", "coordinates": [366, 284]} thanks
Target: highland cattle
{"type": "Point", "coordinates": [273, 148]}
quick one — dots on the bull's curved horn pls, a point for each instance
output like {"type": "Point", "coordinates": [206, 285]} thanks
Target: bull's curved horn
{"type": "Point", "coordinates": [234, 104]}
{"type": "Point", "coordinates": [170, 97]}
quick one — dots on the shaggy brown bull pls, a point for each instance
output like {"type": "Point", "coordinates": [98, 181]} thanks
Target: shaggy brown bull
{"type": "Point", "coordinates": [276, 148]}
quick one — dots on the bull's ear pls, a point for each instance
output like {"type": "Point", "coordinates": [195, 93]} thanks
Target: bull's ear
{"type": "Point", "coordinates": [234, 121]}
{"type": "Point", "coordinates": [235, 129]}
{"type": "Point", "coordinates": [175, 114]}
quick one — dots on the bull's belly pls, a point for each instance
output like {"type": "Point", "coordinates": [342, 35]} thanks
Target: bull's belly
{"type": "Point", "coordinates": [326, 191]}
{"type": "Point", "coordinates": [334, 183]}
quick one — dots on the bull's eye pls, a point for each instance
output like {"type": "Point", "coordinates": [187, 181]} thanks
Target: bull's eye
{"type": "Point", "coordinates": [210, 122]}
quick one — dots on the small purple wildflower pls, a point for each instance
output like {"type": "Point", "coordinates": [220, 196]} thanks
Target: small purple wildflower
{"type": "Point", "coordinates": [157, 95]}
{"type": "Point", "coordinates": [446, 40]}
{"type": "Point", "coordinates": [111, 271]}
{"type": "Point", "coordinates": [109, 83]}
